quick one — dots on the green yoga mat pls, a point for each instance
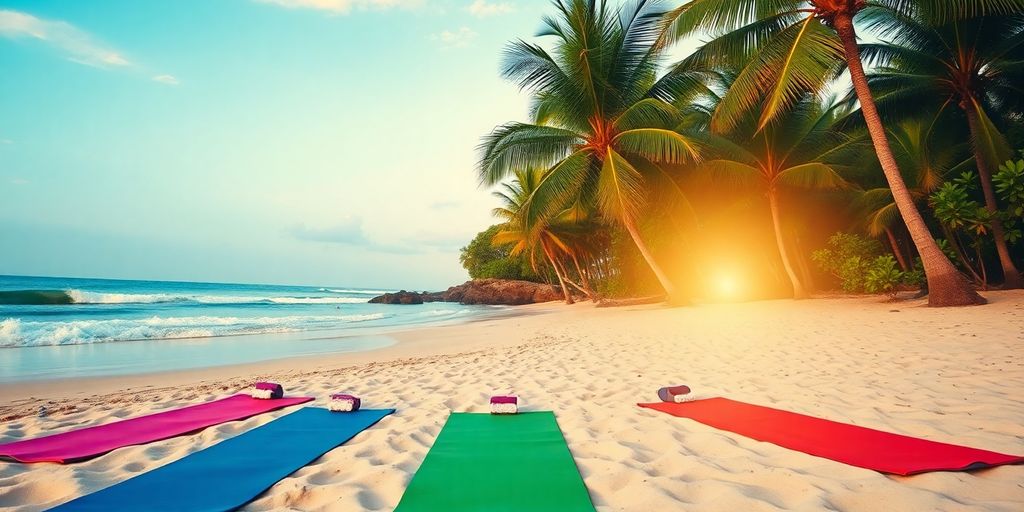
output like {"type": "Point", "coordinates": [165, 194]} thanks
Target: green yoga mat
{"type": "Point", "coordinates": [485, 462]}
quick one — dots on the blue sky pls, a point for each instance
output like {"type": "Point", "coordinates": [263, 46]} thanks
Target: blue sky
{"type": "Point", "coordinates": [274, 141]}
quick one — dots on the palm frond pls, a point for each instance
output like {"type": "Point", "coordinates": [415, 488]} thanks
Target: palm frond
{"type": "Point", "coordinates": [812, 175]}
{"type": "Point", "coordinates": [720, 16]}
{"type": "Point", "coordinates": [621, 190]}
{"type": "Point", "coordinates": [516, 146]}
{"type": "Point", "coordinates": [734, 49]}
{"type": "Point", "coordinates": [799, 60]}
{"type": "Point", "coordinates": [559, 187]}
{"type": "Point", "coordinates": [730, 173]}
{"type": "Point", "coordinates": [658, 145]}
{"type": "Point", "coordinates": [882, 218]}
{"type": "Point", "coordinates": [987, 140]}
{"type": "Point", "coordinates": [944, 11]}
{"type": "Point", "coordinates": [668, 195]}
{"type": "Point", "coordinates": [647, 113]}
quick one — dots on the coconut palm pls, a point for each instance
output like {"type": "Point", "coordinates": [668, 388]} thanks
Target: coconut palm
{"type": "Point", "coordinates": [513, 196]}
{"type": "Point", "coordinates": [973, 64]}
{"type": "Point", "coordinates": [926, 151]}
{"type": "Point", "coordinates": [789, 47]}
{"type": "Point", "coordinates": [559, 240]}
{"type": "Point", "coordinates": [799, 151]}
{"type": "Point", "coordinates": [598, 130]}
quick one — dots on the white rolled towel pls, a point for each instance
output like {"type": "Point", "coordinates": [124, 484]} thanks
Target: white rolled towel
{"type": "Point", "coordinates": [690, 397]}
{"type": "Point", "coordinates": [267, 390]}
{"type": "Point", "coordinates": [504, 405]}
{"type": "Point", "coordinates": [681, 394]}
{"type": "Point", "coordinates": [344, 403]}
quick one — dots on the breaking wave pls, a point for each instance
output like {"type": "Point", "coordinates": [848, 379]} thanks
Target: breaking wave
{"type": "Point", "coordinates": [356, 292]}
{"type": "Point", "coordinates": [45, 297]}
{"type": "Point", "coordinates": [16, 333]}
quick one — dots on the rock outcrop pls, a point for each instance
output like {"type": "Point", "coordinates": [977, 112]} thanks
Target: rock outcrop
{"type": "Point", "coordinates": [479, 291]}
{"type": "Point", "coordinates": [400, 297]}
{"type": "Point", "coordinates": [501, 292]}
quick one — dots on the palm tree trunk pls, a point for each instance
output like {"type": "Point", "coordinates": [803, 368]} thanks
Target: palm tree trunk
{"type": "Point", "coordinates": [561, 282]}
{"type": "Point", "coordinates": [896, 250]}
{"type": "Point", "coordinates": [565, 277]}
{"type": "Point", "coordinates": [666, 283]}
{"type": "Point", "coordinates": [1011, 276]}
{"type": "Point", "coordinates": [806, 276]}
{"type": "Point", "coordinates": [954, 243]}
{"type": "Point", "coordinates": [584, 278]}
{"type": "Point", "coordinates": [946, 286]}
{"type": "Point", "coordinates": [578, 287]}
{"type": "Point", "coordinates": [773, 205]}
{"type": "Point", "coordinates": [981, 266]}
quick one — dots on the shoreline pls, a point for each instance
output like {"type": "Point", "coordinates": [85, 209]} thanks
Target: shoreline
{"type": "Point", "coordinates": [945, 375]}
{"type": "Point", "coordinates": [426, 338]}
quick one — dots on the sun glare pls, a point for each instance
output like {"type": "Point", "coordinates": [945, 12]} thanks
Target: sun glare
{"type": "Point", "coordinates": [726, 285]}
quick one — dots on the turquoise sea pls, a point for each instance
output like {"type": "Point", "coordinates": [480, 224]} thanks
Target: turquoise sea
{"type": "Point", "coordinates": [69, 327]}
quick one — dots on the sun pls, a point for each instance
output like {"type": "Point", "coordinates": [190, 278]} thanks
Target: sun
{"type": "Point", "coordinates": [726, 285]}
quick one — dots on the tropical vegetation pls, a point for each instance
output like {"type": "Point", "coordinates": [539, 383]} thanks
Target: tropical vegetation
{"type": "Point", "coordinates": [484, 259]}
{"type": "Point", "coordinates": [637, 173]}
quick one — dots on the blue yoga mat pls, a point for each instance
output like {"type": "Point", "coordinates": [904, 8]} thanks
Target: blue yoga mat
{"type": "Point", "coordinates": [232, 473]}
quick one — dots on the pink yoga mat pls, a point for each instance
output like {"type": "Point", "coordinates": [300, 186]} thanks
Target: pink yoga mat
{"type": "Point", "coordinates": [841, 442]}
{"type": "Point", "coordinates": [90, 442]}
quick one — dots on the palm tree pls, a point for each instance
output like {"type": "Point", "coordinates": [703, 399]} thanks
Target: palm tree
{"type": "Point", "coordinates": [563, 238]}
{"type": "Point", "coordinates": [597, 128]}
{"type": "Point", "coordinates": [799, 151]}
{"type": "Point", "coordinates": [513, 196]}
{"type": "Point", "coordinates": [973, 64]}
{"type": "Point", "coordinates": [926, 151]}
{"type": "Point", "coordinates": [790, 47]}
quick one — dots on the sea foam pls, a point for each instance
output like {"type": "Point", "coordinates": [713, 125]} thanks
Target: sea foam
{"type": "Point", "coordinates": [17, 333]}
{"type": "Point", "coordinates": [357, 292]}
{"type": "Point", "coordinates": [84, 297]}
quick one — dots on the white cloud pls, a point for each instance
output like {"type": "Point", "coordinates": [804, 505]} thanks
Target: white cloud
{"type": "Point", "coordinates": [460, 38]}
{"type": "Point", "coordinates": [342, 6]}
{"type": "Point", "coordinates": [483, 8]}
{"type": "Point", "coordinates": [6, 141]}
{"type": "Point", "coordinates": [445, 205]}
{"type": "Point", "coordinates": [166, 79]}
{"type": "Point", "coordinates": [19, 181]}
{"type": "Point", "coordinates": [348, 231]}
{"type": "Point", "coordinates": [79, 46]}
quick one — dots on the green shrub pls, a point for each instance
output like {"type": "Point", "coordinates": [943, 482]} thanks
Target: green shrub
{"type": "Point", "coordinates": [954, 208]}
{"type": "Point", "coordinates": [1009, 185]}
{"type": "Point", "coordinates": [861, 265]}
{"type": "Point", "coordinates": [848, 257]}
{"type": "Point", "coordinates": [482, 259]}
{"type": "Point", "coordinates": [883, 276]}
{"type": "Point", "coordinates": [915, 276]}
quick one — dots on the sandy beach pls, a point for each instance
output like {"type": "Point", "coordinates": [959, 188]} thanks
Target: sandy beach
{"type": "Point", "coordinates": [809, 212]}
{"type": "Point", "coordinates": [945, 375]}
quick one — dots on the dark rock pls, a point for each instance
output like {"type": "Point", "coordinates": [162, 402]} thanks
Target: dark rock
{"type": "Point", "coordinates": [479, 291]}
{"type": "Point", "coordinates": [435, 297]}
{"type": "Point", "coordinates": [399, 297]}
{"type": "Point", "coordinates": [501, 292]}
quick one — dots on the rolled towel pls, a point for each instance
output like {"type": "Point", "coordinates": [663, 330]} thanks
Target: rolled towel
{"type": "Point", "coordinates": [690, 397]}
{"type": "Point", "coordinates": [344, 403]}
{"type": "Point", "coordinates": [504, 405]}
{"type": "Point", "coordinates": [267, 390]}
{"type": "Point", "coordinates": [677, 394]}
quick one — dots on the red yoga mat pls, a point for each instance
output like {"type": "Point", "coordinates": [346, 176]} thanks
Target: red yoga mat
{"type": "Point", "coordinates": [90, 442]}
{"type": "Point", "coordinates": [841, 442]}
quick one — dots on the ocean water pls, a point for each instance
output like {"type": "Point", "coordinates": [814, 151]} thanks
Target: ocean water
{"type": "Point", "coordinates": [64, 327]}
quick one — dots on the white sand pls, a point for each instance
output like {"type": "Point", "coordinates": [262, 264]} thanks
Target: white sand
{"type": "Point", "coordinates": [952, 375]}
